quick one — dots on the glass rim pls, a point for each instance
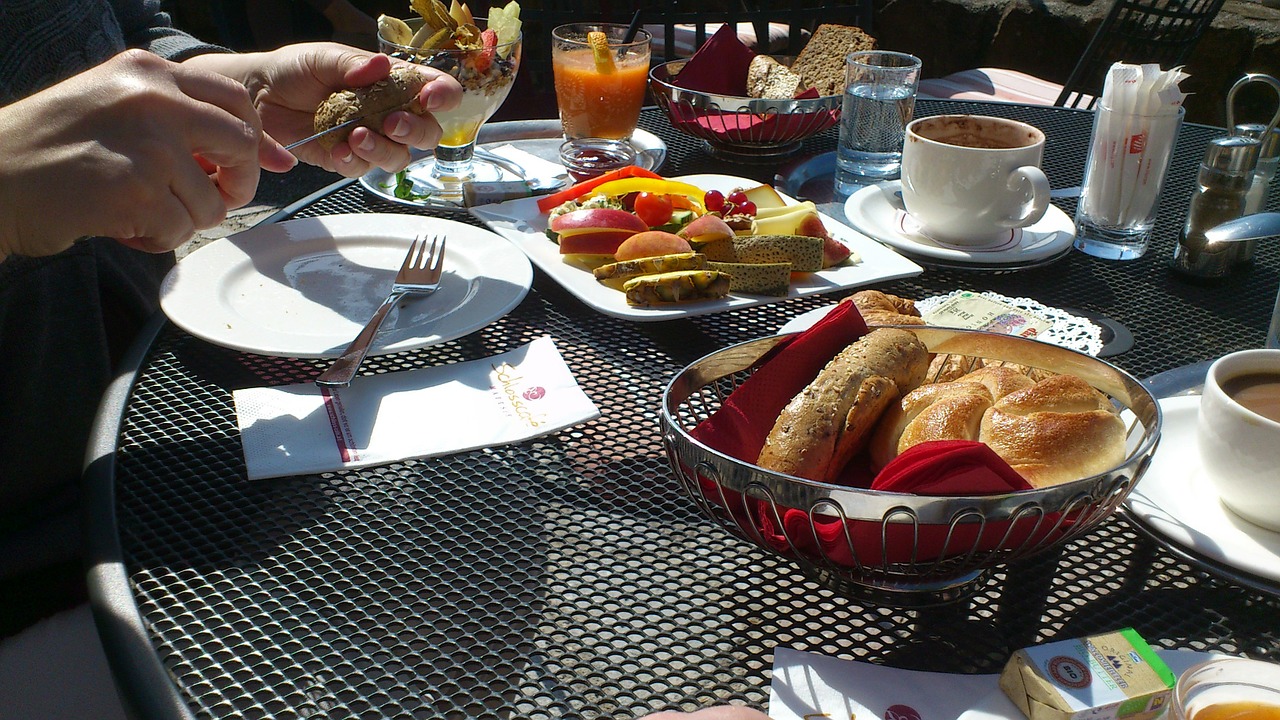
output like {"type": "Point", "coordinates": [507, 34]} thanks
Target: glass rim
{"type": "Point", "coordinates": [1182, 110]}
{"type": "Point", "coordinates": [643, 37]}
{"type": "Point", "coordinates": [909, 61]}
{"type": "Point", "coordinates": [417, 22]}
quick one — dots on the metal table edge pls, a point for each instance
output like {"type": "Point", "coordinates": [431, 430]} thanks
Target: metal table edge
{"type": "Point", "coordinates": [144, 684]}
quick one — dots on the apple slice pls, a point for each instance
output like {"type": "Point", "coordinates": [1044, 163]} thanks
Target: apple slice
{"type": "Point", "coordinates": [705, 229]}
{"type": "Point", "coordinates": [593, 219]}
{"type": "Point", "coordinates": [594, 242]}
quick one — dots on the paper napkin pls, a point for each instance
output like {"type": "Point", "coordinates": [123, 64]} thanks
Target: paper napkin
{"type": "Point", "coordinates": [539, 172]}
{"type": "Point", "coordinates": [507, 398]}
{"type": "Point", "coordinates": [808, 685]}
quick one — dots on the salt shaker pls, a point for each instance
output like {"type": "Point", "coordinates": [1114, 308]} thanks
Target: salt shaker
{"type": "Point", "coordinates": [1222, 188]}
{"type": "Point", "coordinates": [1263, 174]}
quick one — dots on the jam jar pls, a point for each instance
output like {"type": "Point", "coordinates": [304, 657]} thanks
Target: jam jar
{"type": "Point", "coordinates": [586, 158]}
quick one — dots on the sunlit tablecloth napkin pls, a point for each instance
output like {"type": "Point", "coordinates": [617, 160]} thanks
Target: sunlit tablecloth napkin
{"type": "Point", "coordinates": [514, 396]}
{"type": "Point", "coordinates": [808, 685]}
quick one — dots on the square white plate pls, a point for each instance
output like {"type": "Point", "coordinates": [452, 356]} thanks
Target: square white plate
{"type": "Point", "coordinates": [523, 224]}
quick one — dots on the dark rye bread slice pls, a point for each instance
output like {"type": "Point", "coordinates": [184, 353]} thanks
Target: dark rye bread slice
{"type": "Point", "coordinates": [821, 63]}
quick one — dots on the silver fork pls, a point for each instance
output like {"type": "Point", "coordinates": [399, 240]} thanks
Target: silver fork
{"type": "Point", "coordinates": [419, 275]}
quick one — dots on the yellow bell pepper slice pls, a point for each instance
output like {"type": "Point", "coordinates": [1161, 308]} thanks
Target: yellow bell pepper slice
{"type": "Point", "coordinates": [625, 186]}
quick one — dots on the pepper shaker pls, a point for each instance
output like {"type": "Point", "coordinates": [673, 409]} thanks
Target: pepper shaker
{"type": "Point", "coordinates": [1263, 174]}
{"type": "Point", "coordinates": [1222, 188]}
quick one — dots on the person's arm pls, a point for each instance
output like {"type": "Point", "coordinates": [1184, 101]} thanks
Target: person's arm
{"type": "Point", "coordinates": [289, 83]}
{"type": "Point", "coordinates": [145, 26]}
{"type": "Point", "coordinates": [138, 149]}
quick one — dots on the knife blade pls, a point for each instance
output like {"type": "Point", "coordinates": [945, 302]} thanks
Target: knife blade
{"type": "Point", "coordinates": [322, 133]}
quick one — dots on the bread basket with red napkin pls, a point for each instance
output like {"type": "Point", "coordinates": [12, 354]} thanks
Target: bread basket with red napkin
{"type": "Point", "coordinates": [706, 97]}
{"type": "Point", "coordinates": [932, 520]}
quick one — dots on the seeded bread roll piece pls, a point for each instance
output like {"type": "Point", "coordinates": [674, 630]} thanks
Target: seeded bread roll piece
{"type": "Point", "coordinates": [820, 64]}
{"type": "Point", "coordinates": [824, 426]}
{"type": "Point", "coordinates": [397, 91]}
{"type": "Point", "coordinates": [768, 78]}
{"type": "Point", "coordinates": [877, 308]}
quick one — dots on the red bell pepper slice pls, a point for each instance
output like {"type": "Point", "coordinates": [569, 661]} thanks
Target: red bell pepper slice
{"type": "Point", "coordinates": [547, 203]}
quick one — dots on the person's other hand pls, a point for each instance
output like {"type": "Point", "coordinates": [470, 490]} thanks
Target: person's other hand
{"type": "Point", "coordinates": [288, 84]}
{"type": "Point", "coordinates": [717, 712]}
{"type": "Point", "coordinates": [138, 148]}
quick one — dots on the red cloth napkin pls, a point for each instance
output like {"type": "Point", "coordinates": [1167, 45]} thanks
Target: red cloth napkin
{"type": "Point", "coordinates": [718, 67]}
{"type": "Point", "coordinates": [742, 423]}
{"type": "Point", "coordinates": [949, 467]}
{"type": "Point", "coordinates": [728, 126]}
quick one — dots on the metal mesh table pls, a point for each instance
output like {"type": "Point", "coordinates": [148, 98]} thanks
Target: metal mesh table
{"type": "Point", "coordinates": [568, 576]}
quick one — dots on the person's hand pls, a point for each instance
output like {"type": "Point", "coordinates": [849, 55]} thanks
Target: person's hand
{"type": "Point", "coordinates": [138, 149]}
{"type": "Point", "coordinates": [718, 712]}
{"type": "Point", "coordinates": [288, 84]}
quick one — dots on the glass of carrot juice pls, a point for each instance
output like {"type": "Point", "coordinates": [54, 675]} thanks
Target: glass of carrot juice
{"type": "Point", "coordinates": [600, 78]}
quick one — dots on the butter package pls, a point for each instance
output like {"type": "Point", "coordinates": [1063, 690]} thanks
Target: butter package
{"type": "Point", "coordinates": [975, 311]}
{"type": "Point", "coordinates": [1112, 676]}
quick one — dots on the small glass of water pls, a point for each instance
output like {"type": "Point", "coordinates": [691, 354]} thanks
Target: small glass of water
{"type": "Point", "coordinates": [879, 101]}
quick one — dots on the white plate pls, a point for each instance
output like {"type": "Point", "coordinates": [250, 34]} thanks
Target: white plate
{"type": "Point", "coordinates": [305, 288]}
{"type": "Point", "coordinates": [1177, 500]}
{"type": "Point", "coordinates": [651, 153]}
{"type": "Point", "coordinates": [877, 211]}
{"type": "Point", "coordinates": [522, 223]}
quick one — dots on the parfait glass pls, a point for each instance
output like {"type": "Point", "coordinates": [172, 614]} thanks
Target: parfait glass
{"type": "Point", "coordinates": [486, 79]}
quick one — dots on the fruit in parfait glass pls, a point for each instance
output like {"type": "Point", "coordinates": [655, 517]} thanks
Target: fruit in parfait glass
{"type": "Point", "coordinates": [482, 54]}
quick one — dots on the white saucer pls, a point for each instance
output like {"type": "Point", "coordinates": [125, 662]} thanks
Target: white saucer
{"type": "Point", "coordinates": [1176, 500]}
{"type": "Point", "coordinates": [877, 211]}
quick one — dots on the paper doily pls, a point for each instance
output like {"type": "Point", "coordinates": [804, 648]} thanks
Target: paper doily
{"type": "Point", "coordinates": [1069, 331]}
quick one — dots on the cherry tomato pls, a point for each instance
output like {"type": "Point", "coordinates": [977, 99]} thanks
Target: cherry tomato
{"type": "Point", "coordinates": [746, 207]}
{"type": "Point", "coordinates": [713, 201]}
{"type": "Point", "coordinates": [654, 209]}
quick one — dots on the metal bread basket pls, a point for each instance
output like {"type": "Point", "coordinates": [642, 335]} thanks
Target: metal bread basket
{"type": "Point", "coordinates": [893, 548]}
{"type": "Point", "coordinates": [741, 128]}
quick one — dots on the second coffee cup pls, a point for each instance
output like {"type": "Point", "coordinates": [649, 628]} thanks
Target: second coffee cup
{"type": "Point", "coordinates": [970, 179]}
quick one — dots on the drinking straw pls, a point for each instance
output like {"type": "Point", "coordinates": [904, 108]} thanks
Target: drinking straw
{"type": "Point", "coordinates": [632, 29]}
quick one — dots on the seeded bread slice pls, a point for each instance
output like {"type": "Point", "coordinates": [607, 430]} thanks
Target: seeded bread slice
{"type": "Point", "coordinates": [768, 78]}
{"type": "Point", "coordinates": [820, 64]}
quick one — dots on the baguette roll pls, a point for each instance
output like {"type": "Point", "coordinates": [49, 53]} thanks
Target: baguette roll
{"type": "Point", "coordinates": [829, 422]}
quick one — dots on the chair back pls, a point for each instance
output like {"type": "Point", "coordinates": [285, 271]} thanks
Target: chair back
{"type": "Point", "coordinates": [1137, 31]}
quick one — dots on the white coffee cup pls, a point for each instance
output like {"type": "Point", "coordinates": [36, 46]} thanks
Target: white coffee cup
{"type": "Point", "coordinates": [1239, 448]}
{"type": "Point", "coordinates": [971, 179]}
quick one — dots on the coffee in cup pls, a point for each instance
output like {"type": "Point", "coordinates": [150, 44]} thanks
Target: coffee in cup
{"type": "Point", "coordinates": [1238, 429]}
{"type": "Point", "coordinates": [971, 179]}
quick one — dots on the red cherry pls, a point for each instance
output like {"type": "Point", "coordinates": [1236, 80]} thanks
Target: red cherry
{"type": "Point", "coordinates": [713, 201]}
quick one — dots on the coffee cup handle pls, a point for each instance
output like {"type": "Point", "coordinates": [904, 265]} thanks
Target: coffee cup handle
{"type": "Point", "coordinates": [1034, 208]}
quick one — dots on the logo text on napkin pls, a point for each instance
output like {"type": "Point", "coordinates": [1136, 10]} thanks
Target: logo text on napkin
{"type": "Point", "coordinates": [516, 397]}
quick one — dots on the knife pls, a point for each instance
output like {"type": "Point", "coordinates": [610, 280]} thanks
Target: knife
{"type": "Point", "coordinates": [322, 133]}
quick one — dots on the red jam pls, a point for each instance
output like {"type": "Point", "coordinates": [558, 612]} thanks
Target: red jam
{"type": "Point", "coordinates": [586, 158]}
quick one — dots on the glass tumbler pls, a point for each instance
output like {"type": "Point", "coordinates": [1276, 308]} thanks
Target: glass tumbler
{"type": "Point", "coordinates": [1228, 689]}
{"type": "Point", "coordinates": [1128, 157]}
{"type": "Point", "coordinates": [879, 102]}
